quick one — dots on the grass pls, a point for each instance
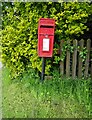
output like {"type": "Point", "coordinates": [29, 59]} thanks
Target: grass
{"type": "Point", "coordinates": [26, 97]}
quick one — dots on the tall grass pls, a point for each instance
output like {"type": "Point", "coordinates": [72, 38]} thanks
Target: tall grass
{"type": "Point", "coordinates": [60, 88]}
{"type": "Point", "coordinates": [55, 98]}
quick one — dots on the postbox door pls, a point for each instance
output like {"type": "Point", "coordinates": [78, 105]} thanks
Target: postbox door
{"type": "Point", "coordinates": [45, 46]}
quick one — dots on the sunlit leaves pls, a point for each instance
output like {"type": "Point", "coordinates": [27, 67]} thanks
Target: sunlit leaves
{"type": "Point", "coordinates": [20, 31]}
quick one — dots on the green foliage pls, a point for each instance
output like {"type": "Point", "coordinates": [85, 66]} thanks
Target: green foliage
{"type": "Point", "coordinates": [71, 20]}
{"type": "Point", "coordinates": [19, 34]}
{"type": "Point", "coordinates": [56, 98]}
{"type": "Point", "coordinates": [83, 54]}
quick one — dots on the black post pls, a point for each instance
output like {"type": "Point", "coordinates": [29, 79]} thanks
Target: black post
{"type": "Point", "coordinates": [43, 69]}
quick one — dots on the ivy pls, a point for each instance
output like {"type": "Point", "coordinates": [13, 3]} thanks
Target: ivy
{"type": "Point", "coordinates": [83, 53]}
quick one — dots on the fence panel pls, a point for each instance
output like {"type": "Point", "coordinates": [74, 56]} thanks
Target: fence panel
{"type": "Point", "coordinates": [61, 62]}
{"type": "Point", "coordinates": [78, 67]}
{"type": "Point", "coordinates": [68, 62]}
{"type": "Point", "coordinates": [81, 43]}
{"type": "Point", "coordinates": [74, 59]}
{"type": "Point", "coordinates": [87, 58]}
{"type": "Point", "coordinates": [91, 69]}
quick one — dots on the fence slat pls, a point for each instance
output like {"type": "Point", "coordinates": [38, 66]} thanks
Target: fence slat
{"type": "Point", "coordinates": [68, 62]}
{"type": "Point", "coordinates": [91, 69]}
{"type": "Point", "coordinates": [81, 43]}
{"type": "Point", "coordinates": [87, 58]}
{"type": "Point", "coordinates": [74, 59]}
{"type": "Point", "coordinates": [61, 62]}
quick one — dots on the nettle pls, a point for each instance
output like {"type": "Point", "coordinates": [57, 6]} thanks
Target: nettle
{"type": "Point", "coordinates": [20, 25]}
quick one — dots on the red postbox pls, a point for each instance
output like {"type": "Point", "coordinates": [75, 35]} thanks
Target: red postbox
{"type": "Point", "coordinates": [46, 29]}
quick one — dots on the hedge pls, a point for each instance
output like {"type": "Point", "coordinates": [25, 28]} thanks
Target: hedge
{"type": "Point", "coordinates": [19, 34]}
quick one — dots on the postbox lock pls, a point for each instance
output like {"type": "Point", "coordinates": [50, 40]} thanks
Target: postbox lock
{"type": "Point", "coordinates": [46, 36]}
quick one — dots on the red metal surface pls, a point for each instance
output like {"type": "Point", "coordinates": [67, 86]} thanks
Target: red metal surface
{"type": "Point", "coordinates": [46, 27]}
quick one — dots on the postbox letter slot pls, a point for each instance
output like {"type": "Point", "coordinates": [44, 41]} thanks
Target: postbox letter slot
{"type": "Point", "coordinates": [43, 26]}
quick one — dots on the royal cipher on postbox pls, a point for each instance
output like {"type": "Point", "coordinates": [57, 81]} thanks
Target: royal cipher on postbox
{"type": "Point", "coordinates": [46, 27]}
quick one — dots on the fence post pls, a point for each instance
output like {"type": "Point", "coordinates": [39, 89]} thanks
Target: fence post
{"type": "Point", "coordinates": [61, 62]}
{"type": "Point", "coordinates": [81, 43]}
{"type": "Point", "coordinates": [74, 60]}
{"type": "Point", "coordinates": [87, 58]}
{"type": "Point", "coordinates": [68, 61]}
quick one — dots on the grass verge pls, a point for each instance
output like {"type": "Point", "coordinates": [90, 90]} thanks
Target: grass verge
{"type": "Point", "coordinates": [27, 97]}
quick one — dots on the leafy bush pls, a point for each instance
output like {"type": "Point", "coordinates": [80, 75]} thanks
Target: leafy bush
{"type": "Point", "coordinates": [19, 34]}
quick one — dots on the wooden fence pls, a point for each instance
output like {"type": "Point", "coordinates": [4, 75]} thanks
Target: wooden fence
{"type": "Point", "coordinates": [73, 64]}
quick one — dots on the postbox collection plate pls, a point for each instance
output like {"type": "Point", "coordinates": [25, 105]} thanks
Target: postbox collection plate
{"type": "Point", "coordinates": [46, 43]}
